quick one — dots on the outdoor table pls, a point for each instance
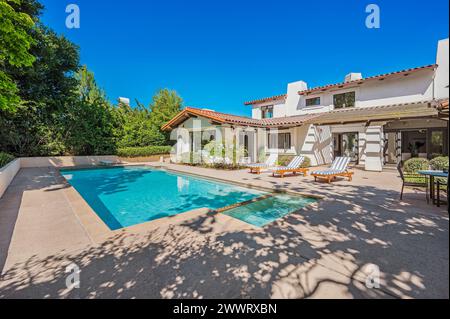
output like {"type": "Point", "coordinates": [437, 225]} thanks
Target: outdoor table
{"type": "Point", "coordinates": [432, 174]}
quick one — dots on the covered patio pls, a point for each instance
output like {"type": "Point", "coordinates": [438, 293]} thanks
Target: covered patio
{"type": "Point", "coordinates": [387, 134]}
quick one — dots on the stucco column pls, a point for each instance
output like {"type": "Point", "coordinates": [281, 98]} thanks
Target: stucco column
{"type": "Point", "coordinates": [261, 138]}
{"type": "Point", "coordinates": [374, 148]}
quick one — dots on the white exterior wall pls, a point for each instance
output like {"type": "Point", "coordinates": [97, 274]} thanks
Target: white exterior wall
{"type": "Point", "coordinates": [417, 86]}
{"type": "Point", "coordinates": [315, 142]}
{"type": "Point", "coordinates": [256, 111]}
{"type": "Point", "coordinates": [441, 89]}
{"type": "Point", "coordinates": [279, 109]}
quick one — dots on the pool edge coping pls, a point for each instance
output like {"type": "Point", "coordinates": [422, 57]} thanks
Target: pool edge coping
{"type": "Point", "coordinates": [98, 231]}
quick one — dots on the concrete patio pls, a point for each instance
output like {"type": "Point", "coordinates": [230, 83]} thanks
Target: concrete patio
{"type": "Point", "coordinates": [323, 251]}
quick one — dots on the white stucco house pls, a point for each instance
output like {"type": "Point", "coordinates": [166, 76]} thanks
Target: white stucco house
{"type": "Point", "coordinates": [377, 120]}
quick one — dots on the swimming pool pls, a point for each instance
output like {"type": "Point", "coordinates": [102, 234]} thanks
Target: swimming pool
{"type": "Point", "coordinates": [126, 196]}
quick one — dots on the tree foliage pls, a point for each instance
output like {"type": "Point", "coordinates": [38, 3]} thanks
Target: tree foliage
{"type": "Point", "coordinates": [141, 126]}
{"type": "Point", "coordinates": [90, 122]}
{"type": "Point", "coordinates": [49, 105]}
{"type": "Point", "coordinates": [16, 40]}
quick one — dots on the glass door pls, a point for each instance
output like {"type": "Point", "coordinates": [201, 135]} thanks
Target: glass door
{"type": "Point", "coordinates": [350, 145]}
{"type": "Point", "coordinates": [346, 144]}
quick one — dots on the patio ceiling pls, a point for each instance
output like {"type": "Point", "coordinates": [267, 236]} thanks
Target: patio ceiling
{"type": "Point", "coordinates": [376, 113]}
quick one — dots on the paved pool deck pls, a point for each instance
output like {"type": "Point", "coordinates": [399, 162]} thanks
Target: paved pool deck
{"type": "Point", "coordinates": [327, 250]}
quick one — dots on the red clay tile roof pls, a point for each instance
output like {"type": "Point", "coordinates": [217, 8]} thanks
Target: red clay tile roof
{"type": "Point", "coordinates": [223, 118]}
{"type": "Point", "coordinates": [375, 77]}
{"type": "Point", "coordinates": [266, 99]}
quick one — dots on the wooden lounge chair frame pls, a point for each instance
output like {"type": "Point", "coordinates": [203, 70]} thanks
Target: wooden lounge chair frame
{"type": "Point", "coordinates": [330, 177]}
{"type": "Point", "coordinates": [258, 169]}
{"type": "Point", "coordinates": [302, 170]}
{"type": "Point", "coordinates": [294, 170]}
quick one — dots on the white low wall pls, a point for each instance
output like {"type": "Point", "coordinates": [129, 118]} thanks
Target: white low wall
{"type": "Point", "coordinates": [66, 161]}
{"type": "Point", "coordinates": [7, 174]}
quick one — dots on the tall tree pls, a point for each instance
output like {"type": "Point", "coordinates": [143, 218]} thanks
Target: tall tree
{"type": "Point", "coordinates": [46, 88]}
{"type": "Point", "coordinates": [136, 125]}
{"type": "Point", "coordinates": [165, 105]}
{"type": "Point", "coordinates": [90, 122]}
{"type": "Point", "coordinates": [15, 39]}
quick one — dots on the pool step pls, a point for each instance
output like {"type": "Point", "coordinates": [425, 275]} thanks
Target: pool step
{"type": "Point", "coordinates": [257, 199]}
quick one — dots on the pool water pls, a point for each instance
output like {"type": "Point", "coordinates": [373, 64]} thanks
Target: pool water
{"type": "Point", "coordinates": [263, 212]}
{"type": "Point", "coordinates": [126, 196]}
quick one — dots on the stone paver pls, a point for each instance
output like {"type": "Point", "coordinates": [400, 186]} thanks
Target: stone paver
{"type": "Point", "coordinates": [324, 251]}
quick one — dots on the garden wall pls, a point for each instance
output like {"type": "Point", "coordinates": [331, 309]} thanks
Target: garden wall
{"type": "Point", "coordinates": [66, 161]}
{"type": "Point", "coordinates": [7, 174]}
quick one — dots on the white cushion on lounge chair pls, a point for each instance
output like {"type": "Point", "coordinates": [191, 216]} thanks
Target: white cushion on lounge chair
{"type": "Point", "coordinates": [269, 162]}
{"type": "Point", "coordinates": [338, 166]}
{"type": "Point", "coordinates": [294, 164]}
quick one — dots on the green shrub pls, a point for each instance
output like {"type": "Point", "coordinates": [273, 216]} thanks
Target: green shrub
{"type": "Point", "coordinates": [284, 160]}
{"type": "Point", "coordinates": [439, 163]}
{"type": "Point", "coordinates": [143, 151]}
{"type": "Point", "coordinates": [306, 162]}
{"type": "Point", "coordinates": [5, 158]}
{"type": "Point", "coordinates": [416, 164]}
{"type": "Point", "coordinates": [434, 155]}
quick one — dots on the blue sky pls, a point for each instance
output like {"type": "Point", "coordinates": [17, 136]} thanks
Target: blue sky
{"type": "Point", "coordinates": [218, 54]}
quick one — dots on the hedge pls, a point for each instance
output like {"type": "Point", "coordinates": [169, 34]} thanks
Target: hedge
{"type": "Point", "coordinates": [143, 151]}
{"type": "Point", "coordinates": [416, 164]}
{"type": "Point", "coordinates": [5, 158]}
{"type": "Point", "coordinates": [439, 163]}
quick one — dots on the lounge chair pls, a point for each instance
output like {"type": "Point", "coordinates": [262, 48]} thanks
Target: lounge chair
{"type": "Point", "coordinates": [292, 167]}
{"type": "Point", "coordinates": [339, 167]}
{"type": "Point", "coordinates": [258, 167]}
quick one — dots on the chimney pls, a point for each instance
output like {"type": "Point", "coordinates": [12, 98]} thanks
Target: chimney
{"type": "Point", "coordinates": [352, 77]}
{"type": "Point", "coordinates": [124, 100]}
{"type": "Point", "coordinates": [293, 98]}
{"type": "Point", "coordinates": [442, 72]}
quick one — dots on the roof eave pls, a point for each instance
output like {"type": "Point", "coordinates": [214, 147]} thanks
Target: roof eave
{"type": "Point", "coordinates": [362, 81]}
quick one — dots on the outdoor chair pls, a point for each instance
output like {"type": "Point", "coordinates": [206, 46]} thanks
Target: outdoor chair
{"type": "Point", "coordinates": [339, 167]}
{"type": "Point", "coordinates": [412, 180]}
{"type": "Point", "coordinates": [441, 182]}
{"type": "Point", "coordinates": [292, 167]}
{"type": "Point", "coordinates": [258, 167]}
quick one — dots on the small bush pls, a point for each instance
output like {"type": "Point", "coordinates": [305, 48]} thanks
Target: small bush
{"type": "Point", "coordinates": [284, 160]}
{"type": "Point", "coordinates": [416, 164]}
{"type": "Point", "coordinates": [5, 158]}
{"type": "Point", "coordinates": [306, 162]}
{"type": "Point", "coordinates": [439, 163]}
{"type": "Point", "coordinates": [143, 151]}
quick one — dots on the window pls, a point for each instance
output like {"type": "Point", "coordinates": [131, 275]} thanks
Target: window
{"type": "Point", "coordinates": [313, 101]}
{"type": "Point", "coordinates": [437, 143]}
{"type": "Point", "coordinates": [344, 100]}
{"type": "Point", "coordinates": [267, 112]}
{"type": "Point", "coordinates": [279, 141]}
